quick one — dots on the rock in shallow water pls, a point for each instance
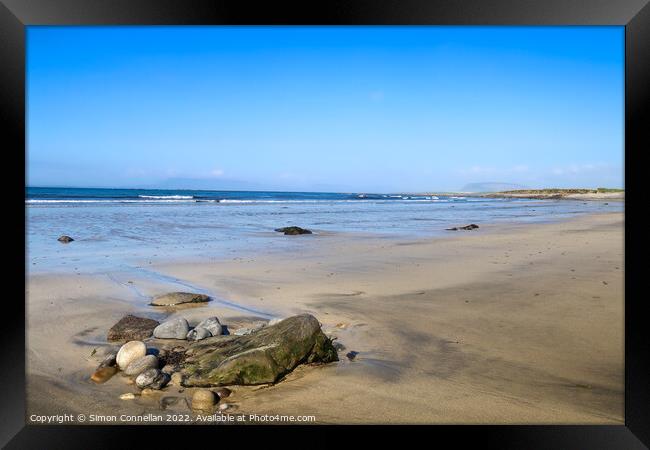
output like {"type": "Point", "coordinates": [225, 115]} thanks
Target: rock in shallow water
{"type": "Point", "coordinates": [65, 239]}
{"type": "Point", "coordinates": [471, 226]}
{"type": "Point", "coordinates": [103, 374]}
{"type": "Point", "coordinates": [172, 329]}
{"type": "Point", "coordinates": [293, 230]}
{"type": "Point", "coordinates": [141, 364]}
{"type": "Point", "coordinates": [129, 352]}
{"type": "Point", "coordinates": [178, 298]}
{"type": "Point", "coordinates": [132, 328]}
{"type": "Point", "coordinates": [258, 358]}
{"type": "Point", "coordinates": [152, 378]}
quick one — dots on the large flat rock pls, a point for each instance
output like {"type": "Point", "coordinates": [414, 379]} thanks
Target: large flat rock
{"type": "Point", "coordinates": [131, 328]}
{"type": "Point", "coordinates": [178, 298]}
{"type": "Point", "coordinates": [262, 357]}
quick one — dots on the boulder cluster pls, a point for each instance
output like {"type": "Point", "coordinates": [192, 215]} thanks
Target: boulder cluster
{"type": "Point", "coordinates": [211, 357]}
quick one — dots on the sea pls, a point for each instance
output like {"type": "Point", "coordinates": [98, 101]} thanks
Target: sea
{"type": "Point", "coordinates": [121, 228]}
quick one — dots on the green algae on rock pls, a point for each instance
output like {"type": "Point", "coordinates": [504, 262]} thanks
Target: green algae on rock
{"type": "Point", "coordinates": [258, 358]}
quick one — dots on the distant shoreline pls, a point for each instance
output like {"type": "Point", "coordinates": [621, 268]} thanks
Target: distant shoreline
{"type": "Point", "coordinates": [570, 194]}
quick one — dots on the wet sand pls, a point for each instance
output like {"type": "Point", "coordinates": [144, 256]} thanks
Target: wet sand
{"type": "Point", "coordinates": [505, 324]}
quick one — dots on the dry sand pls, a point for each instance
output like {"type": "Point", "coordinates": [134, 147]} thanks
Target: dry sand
{"type": "Point", "coordinates": [505, 324]}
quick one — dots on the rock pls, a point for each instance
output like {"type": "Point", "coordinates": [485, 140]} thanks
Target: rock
{"type": "Point", "coordinates": [152, 378]}
{"type": "Point", "coordinates": [471, 226]}
{"type": "Point", "coordinates": [351, 355]}
{"type": "Point", "coordinates": [65, 239]}
{"type": "Point", "coordinates": [258, 358]}
{"type": "Point", "coordinates": [275, 321]}
{"type": "Point", "coordinates": [197, 334]}
{"type": "Point", "coordinates": [211, 324]}
{"type": "Point", "coordinates": [293, 230]}
{"type": "Point", "coordinates": [178, 298]}
{"type": "Point", "coordinates": [103, 374]}
{"type": "Point", "coordinates": [127, 396]}
{"type": "Point", "coordinates": [129, 352]}
{"type": "Point", "coordinates": [223, 392]}
{"type": "Point", "coordinates": [248, 330]}
{"type": "Point", "coordinates": [132, 328]}
{"type": "Point", "coordinates": [242, 331]}
{"type": "Point", "coordinates": [172, 329]}
{"type": "Point", "coordinates": [109, 360]}
{"type": "Point", "coordinates": [224, 406]}
{"type": "Point", "coordinates": [177, 379]}
{"type": "Point", "coordinates": [338, 346]}
{"type": "Point", "coordinates": [141, 364]}
{"type": "Point", "coordinates": [203, 399]}
{"type": "Point", "coordinates": [148, 391]}
{"type": "Point", "coordinates": [169, 368]}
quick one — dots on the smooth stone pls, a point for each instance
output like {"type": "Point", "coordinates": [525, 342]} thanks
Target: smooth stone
{"type": "Point", "coordinates": [129, 352]}
{"type": "Point", "coordinates": [259, 358]}
{"type": "Point", "coordinates": [172, 329]}
{"type": "Point", "coordinates": [132, 328]}
{"type": "Point", "coordinates": [127, 396]}
{"type": "Point", "coordinates": [223, 392]}
{"type": "Point", "coordinates": [211, 324]}
{"type": "Point", "coordinates": [224, 406]}
{"type": "Point", "coordinates": [103, 374]}
{"type": "Point", "coordinates": [152, 378]}
{"type": "Point", "coordinates": [141, 364]}
{"type": "Point", "coordinates": [197, 334]}
{"type": "Point", "coordinates": [293, 230]}
{"type": "Point", "coordinates": [178, 298]}
{"type": "Point", "coordinates": [148, 391]}
{"type": "Point", "coordinates": [203, 399]}
{"type": "Point", "coordinates": [65, 239]}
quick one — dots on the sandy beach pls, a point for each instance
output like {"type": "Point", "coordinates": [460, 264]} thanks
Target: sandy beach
{"type": "Point", "coordinates": [514, 323]}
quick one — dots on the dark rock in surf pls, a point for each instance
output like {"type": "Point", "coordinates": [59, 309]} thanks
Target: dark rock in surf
{"type": "Point", "coordinates": [258, 358]}
{"type": "Point", "coordinates": [65, 239]}
{"type": "Point", "coordinates": [132, 328]}
{"type": "Point", "coordinates": [291, 231]}
{"type": "Point", "coordinates": [471, 226]}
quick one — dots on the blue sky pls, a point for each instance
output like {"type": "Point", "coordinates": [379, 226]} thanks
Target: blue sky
{"type": "Point", "coordinates": [325, 108]}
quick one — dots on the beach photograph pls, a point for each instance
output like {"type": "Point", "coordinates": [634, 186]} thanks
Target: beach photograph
{"type": "Point", "coordinates": [287, 225]}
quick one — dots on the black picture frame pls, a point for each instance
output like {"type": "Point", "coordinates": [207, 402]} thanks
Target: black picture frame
{"type": "Point", "coordinates": [15, 15]}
